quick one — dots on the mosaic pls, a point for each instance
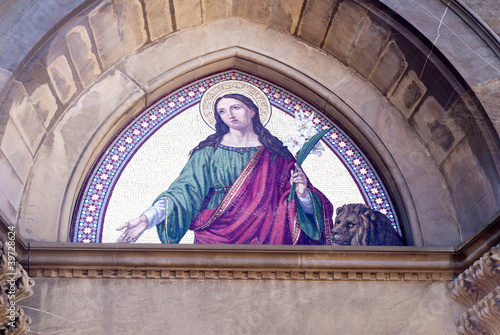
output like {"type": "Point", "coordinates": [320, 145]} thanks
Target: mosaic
{"type": "Point", "coordinates": [90, 211]}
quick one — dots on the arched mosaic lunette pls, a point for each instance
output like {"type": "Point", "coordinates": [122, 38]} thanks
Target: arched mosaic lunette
{"type": "Point", "coordinates": [90, 210]}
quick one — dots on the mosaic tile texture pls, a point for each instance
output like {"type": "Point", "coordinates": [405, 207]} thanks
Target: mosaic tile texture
{"type": "Point", "coordinates": [88, 219]}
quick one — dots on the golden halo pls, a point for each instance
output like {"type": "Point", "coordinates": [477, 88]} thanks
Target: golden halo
{"type": "Point", "coordinates": [207, 104]}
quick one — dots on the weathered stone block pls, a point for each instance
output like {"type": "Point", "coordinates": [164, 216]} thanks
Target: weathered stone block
{"type": "Point", "coordinates": [315, 20]}
{"type": "Point", "coordinates": [494, 23]}
{"type": "Point", "coordinates": [4, 78]}
{"type": "Point", "coordinates": [236, 7]}
{"type": "Point", "coordinates": [25, 23]}
{"type": "Point", "coordinates": [487, 93]}
{"type": "Point", "coordinates": [62, 78]}
{"type": "Point", "coordinates": [481, 69]}
{"type": "Point", "coordinates": [7, 211]}
{"type": "Point", "coordinates": [473, 180]}
{"type": "Point", "coordinates": [6, 99]}
{"type": "Point", "coordinates": [435, 207]}
{"type": "Point", "coordinates": [213, 10]}
{"type": "Point", "coordinates": [27, 120]}
{"type": "Point", "coordinates": [464, 116]}
{"type": "Point", "coordinates": [45, 103]}
{"type": "Point", "coordinates": [49, 52]}
{"type": "Point", "coordinates": [10, 184]}
{"type": "Point", "coordinates": [158, 18]}
{"type": "Point", "coordinates": [488, 10]}
{"type": "Point", "coordinates": [344, 28]}
{"type": "Point", "coordinates": [84, 59]}
{"type": "Point", "coordinates": [440, 130]}
{"type": "Point", "coordinates": [368, 46]}
{"type": "Point", "coordinates": [164, 55]}
{"type": "Point", "coordinates": [12, 51]}
{"type": "Point", "coordinates": [408, 93]}
{"type": "Point", "coordinates": [449, 43]}
{"type": "Point", "coordinates": [468, 53]}
{"type": "Point", "coordinates": [456, 24]}
{"type": "Point", "coordinates": [389, 69]}
{"type": "Point", "coordinates": [16, 151]}
{"type": "Point", "coordinates": [61, 151]}
{"type": "Point", "coordinates": [468, 192]}
{"type": "Point", "coordinates": [479, 214]}
{"type": "Point", "coordinates": [91, 109]}
{"type": "Point", "coordinates": [459, 163]}
{"type": "Point", "coordinates": [37, 83]}
{"type": "Point", "coordinates": [437, 217]}
{"type": "Point", "coordinates": [425, 14]}
{"type": "Point", "coordinates": [285, 15]}
{"type": "Point", "coordinates": [187, 13]}
{"type": "Point", "coordinates": [131, 24]}
{"type": "Point", "coordinates": [258, 11]}
{"type": "Point", "coordinates": [104, 26]}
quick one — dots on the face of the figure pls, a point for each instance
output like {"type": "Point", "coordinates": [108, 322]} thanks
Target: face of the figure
{"type": "Point", "coordinates": [235, 114]}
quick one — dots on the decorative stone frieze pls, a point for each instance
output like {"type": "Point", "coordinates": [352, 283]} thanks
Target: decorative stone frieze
{"type": "Point", "coordinates": [479, 279]}
{"type": "Point", "coordinates": [478, 287]}
{"type": "Point", "coordinates": [15, 286]}
{"type": "Point", "coordinates": [482, 318]}
{"type": "Point", "coordinates": [236, 274]}
{"type": "Point", "coordinates": [240, 262]}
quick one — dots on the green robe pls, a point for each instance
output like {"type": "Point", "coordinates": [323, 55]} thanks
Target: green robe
{"type": "Point", "coordinates": [208, 169]}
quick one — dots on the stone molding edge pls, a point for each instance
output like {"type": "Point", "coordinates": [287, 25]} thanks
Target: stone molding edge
{"type": "Point", "coordinates": [240, 262]}
{"type": "Point", "coordinates": [114, 273]}
{"type": "Point", "coordinates": [474, 21]}
{"type": "Point", "coordinates": [341, 263]}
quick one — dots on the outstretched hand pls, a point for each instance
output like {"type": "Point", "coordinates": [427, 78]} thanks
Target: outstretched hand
{"type": "Point", "coordinates": [300, 180]}
{"type": "Point", "coordinates": [134, 229]}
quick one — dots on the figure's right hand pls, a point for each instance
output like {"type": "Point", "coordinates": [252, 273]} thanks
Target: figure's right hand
{"type": "Point", "coordinates": [133, 229]}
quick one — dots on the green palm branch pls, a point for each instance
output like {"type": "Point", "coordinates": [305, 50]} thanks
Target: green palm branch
{"type": "Point", "coordinates": [304, 152]}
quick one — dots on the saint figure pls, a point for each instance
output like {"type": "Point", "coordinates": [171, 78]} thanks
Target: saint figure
{"type": "Point", "coordinates": [235, 187]}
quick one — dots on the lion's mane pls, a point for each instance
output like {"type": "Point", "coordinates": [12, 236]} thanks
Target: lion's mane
{"type": "Point", "coordinates": [358, 224]}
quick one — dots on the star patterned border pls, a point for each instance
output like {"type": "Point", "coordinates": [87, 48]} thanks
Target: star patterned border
{"type": "Point", "coordinates": [89, 213]}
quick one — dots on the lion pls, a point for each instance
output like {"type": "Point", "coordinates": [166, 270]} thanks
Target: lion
{"type": "Point", "coordinates": [358, 224]}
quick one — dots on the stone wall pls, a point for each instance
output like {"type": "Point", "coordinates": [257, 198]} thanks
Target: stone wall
{"type": "Point", "coordinates": [422, 103]}
{"type": "Point", "coordinates": [415, 82]}
{"type": "Point", "coordinates": [488, 11]}
{"type": "Point", "coordinates": [114, 306]}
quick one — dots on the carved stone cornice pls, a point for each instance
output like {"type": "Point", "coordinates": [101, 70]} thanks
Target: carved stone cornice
{"type": "Point", "coordinates": [334, 263]}
{"type": "Point", "coordinates": [478, 287]}
{"type": "Point", "coordinates": [478, 280]}
{"type": "Point", "coordinates": [15, 285]}
{"type": "Point", "coordinates": [241, 262]}
{"type": "Point", "coordinates": [483, 318]}
{"type": "Point", "coordinates": [242, 274]}
{"type": "Point", "coordinates": [476, 247]}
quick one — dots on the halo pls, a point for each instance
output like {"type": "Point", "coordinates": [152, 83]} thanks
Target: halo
{"type": "Point", "coordinates": [207, 104]}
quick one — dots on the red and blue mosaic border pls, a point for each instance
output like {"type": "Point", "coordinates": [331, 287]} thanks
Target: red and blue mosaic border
{"type": "Point", "coordinates": [88, 218]}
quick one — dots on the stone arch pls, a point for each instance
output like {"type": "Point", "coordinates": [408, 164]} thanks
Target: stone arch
{"type": "Point", "coordinates": [78, 88]}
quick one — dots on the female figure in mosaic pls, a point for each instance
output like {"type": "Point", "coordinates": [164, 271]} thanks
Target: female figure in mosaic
{"type": "Point", "coordinates": [235, 187]}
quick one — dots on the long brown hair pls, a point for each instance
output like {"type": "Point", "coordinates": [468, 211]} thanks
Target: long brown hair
{"type": "Point", "coordinates": [272, 143]}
